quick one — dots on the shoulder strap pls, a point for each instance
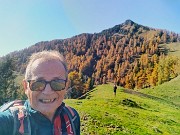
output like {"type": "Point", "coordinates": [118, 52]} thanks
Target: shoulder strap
{"type": "Point", "coordinates": [19, 112]}
{"type": "Point", "coordinates": [6, 106]}
{"type": "Point", "coordinates": [71, 115]}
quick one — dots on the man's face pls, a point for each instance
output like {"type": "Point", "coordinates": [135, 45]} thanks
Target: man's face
{"type": "Point", "coordinates": [47, 100]}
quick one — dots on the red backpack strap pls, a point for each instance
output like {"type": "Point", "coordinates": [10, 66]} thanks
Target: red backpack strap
{"type": "Point", "coordinates": [68, 125]}
{"type": "Point", "coordinates": [21, 117]}
{"type": "Point", "coordinates": [57, 126]}
{"type": "Point", "coordinates": [18, 109]}
{"type": "Point", "coordinates": [18, 103]}
{"type": "Point", "coordinates": [69, 117]}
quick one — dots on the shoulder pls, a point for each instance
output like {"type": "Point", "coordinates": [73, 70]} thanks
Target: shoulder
{"type": "Point", "coordinates": [6, 122]}
{"type": "Point", "coordinates": [71, 110]}
{"type": "Point", "coordinates": [73, 114]}
{"type": "Point", "coordinates": [6, 115]}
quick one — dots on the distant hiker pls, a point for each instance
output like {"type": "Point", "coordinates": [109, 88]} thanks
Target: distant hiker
{"type": "Point", "coordinates": [115, 88]}
{"type": "Point", "coordinates": [44, 112]}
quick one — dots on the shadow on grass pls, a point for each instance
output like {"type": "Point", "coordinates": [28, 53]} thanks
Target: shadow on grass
{"type": "Point", "coordinates": [149, 96]}
{"type": "Point", "coordinates": [87, 95]}
{"type": "Point", "coordinates": [130, 103]}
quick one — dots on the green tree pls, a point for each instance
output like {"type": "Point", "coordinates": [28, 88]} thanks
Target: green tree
{"type": "Point", "coordinates": [8, 87]}
{"type": "Point", "coordinates": [167, 69]}
{"type": "Point", "coordinates": [77, 87]}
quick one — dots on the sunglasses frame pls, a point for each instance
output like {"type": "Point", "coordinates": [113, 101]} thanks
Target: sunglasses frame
{"type": "Point", "coordinates": [45, 82]}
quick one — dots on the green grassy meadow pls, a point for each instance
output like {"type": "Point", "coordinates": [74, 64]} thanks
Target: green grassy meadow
{"type": "Point", "coordinates": [173, 48]}
{"type": "Point", "coordinates": [152, 111]}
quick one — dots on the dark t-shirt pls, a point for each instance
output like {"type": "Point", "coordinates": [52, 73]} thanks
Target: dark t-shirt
{"type": "Point", "coordinates": [115, 87]}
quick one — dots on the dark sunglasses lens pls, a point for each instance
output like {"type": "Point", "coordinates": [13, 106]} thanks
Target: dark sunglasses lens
{"type": "Point", "coordinates": [58, 85]}
{"type": "Point", "coordinates": [37, 86]}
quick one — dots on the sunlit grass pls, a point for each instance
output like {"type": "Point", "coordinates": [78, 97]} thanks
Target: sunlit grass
{"type": "Point", "coordinates": [173, 48]}
{"type": "Point", "coordinates": [169, 91]}
{"type": "Point", "coordinates": [103, 113]}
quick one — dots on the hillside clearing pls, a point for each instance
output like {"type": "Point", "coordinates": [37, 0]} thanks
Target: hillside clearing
{"type": "Point", "coordinates": [173, 48]}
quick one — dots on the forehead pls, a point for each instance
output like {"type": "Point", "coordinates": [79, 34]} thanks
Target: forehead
{"type": "Point", "coordinates": [48, 69]}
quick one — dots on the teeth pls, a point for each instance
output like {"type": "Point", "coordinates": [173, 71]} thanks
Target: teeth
{"type": "Point", "coordinates": [47, 100]}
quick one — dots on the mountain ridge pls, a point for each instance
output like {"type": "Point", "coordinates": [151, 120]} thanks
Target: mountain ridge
{"type": "Point", "coordinates": [127, 22]}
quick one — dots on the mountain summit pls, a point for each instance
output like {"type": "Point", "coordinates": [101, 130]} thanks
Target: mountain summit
{"type": "Point", "coordinates": [127, 27]}
{"type": "Point", "coordinates": [128, 22]}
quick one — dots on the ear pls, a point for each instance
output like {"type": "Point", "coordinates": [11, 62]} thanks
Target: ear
{"type": "Point", "coordinates": [67, 84]}
{"type": "Point", "coordinates": [24, 82]}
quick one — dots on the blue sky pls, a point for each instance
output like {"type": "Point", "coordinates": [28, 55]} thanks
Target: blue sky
{"type": "Point", "coordinates": [26, 22]}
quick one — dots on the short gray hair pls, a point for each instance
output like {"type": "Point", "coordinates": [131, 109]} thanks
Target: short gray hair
{"type": "Point", "coordinates": [47, 55]}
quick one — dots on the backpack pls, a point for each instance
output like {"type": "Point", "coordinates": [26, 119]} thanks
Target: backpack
{"type": "Point", "coordinates": [19, 112]}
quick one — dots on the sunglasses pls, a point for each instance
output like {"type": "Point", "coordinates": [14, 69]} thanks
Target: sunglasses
{"type": "Point", "coordinates": [40, 85]}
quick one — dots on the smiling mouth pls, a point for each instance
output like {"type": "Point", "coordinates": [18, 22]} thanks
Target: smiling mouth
{"type": "Point", "coordinates": [46, 101]}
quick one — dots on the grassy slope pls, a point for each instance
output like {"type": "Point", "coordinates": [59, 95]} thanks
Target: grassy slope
{"type": "Point", "coordinates": [102, 113]}
{"type": "Point", "coordinates": [169, 91]}
{"type": "Point", "coordinates": [173, 48]}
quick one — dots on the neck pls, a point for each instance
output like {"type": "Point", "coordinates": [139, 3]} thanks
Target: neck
{"type": "Point", "coordinates": [49, 116]}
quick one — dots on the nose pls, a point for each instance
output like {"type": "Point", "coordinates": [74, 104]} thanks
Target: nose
{"type": "Point", "coordinates": [48, 90]}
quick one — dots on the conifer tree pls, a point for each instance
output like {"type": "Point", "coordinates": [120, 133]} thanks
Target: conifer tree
{"type": "Point", "coordinates": [8, 87]}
